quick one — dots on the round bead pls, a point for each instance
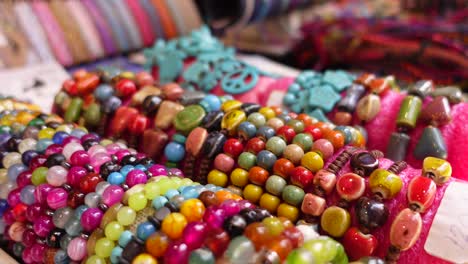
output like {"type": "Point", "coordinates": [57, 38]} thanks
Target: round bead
{"type": "Point", "coordinates": [265, 132]}
{"type": "Point", "coordinates": [283, 167]}
{"type": "Point", "coordinates": [257, 119]}
{"type": "Point", "coordinates": [350, 186]}
{"type": "Point", "coordinates": [293, 195]}
{"type": "Point", "coordinates": [174, 152]}
{"type": "Point", "coordinates": [258, 175]}
{"type": "Point", "coordinates": [126, 216]}
{"type": "Point", "coordinates": [301, 177]}
{"type": "Point", "coordinates": [144, 230]}
{"type": "Point", "coordinates": [247, 160]}
{"type": "Point", "coordinates": [173, 225]}
{"type": "Point", "coordinates": [294, 153]}
{"type": "Point", "coordinates": [252, 193]}
{"type": "Point", "coordinates": [224, 163]}
{"type": "Point", "coordinates": [335, 221]}
{"type": "Point", "coordinates": [288, 211]}
{"type": "Point", "coordinates": [269, 202]}
{"type": "Point", "coordinates": [137, 201]}
{"type": "Point", "coordinates": [239, 177]}
{"type": "Point", "coordinates": [157, 243]}
{"type": "Point", "coordinates": [358, 244]}
{"type": "Point", "coordinates": [246, 130]}
{"type": "Point", "coordinates": [371, 213]}
{"type": "Point", "coordinates": [312, 161]}
{"type": "Point", "coordinates": [113, 230]}
{"type": "Point", "coordinates": [303, 140]}
{"type": "Point", "coordinates": [255, 145]}
{"type": "Point", "coordinates": [324, 147]}
{"type": "Point", "coordinates": [217, 178]}
{"type": "Point", "coordinates": [276, 145]}
{"type": "Point", "coordinates": [144, 259]}
{"type": "Point", "coordinates": [104, 247]}
{"type": "Point", "coordinates": [233, 147]}
{"type": "Point", "coordinates": [77, 249]}
{"type": "Point", "coordinates": [287, 133]}
{"type": "Point", "coordinates": [275, 184]}
{"type": "Point", "coordinates": [193, 210]}
{"type": "Point", "coordinates": [266, 159]}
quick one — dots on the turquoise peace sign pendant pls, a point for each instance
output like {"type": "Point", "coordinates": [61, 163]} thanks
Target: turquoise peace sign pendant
{"type": "Point", "coordinates": [240, 81]}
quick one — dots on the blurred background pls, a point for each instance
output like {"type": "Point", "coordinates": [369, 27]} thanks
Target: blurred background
{"type": "Point", "coordinates": [411, 39]}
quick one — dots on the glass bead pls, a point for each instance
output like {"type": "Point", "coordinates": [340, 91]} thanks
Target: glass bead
{"type": "Point", "coordinates": [144, 230]}
{"type": "Point", "coordinates": [57, 198]}
{"type": "Point", "coordinates": [275, 184]}
{"type": "Point", "coordinates": [113, 230]}
{"type": "Point", "coordinates": [27, 195]}
{"type": "Point", "coordinates": [73, 227]}
{"type": "Point", "coordinates": [61, 216]}
{"type": "Point", "coordinates": [194, 234]}
{"type": "Point", "coordinates": [176, 253]}
{"type": "Point", "coordinates": [193, 210]}
{"type": "Point", "coordinates": [77, 249]}
{"type": "Point", "coordinates": [95, 260]}
{"type": "Point", "coordinates": [156, 244]}
{"type": "Point", "coordinates": [92, 200]}
{"type": "Point", "coordinates": [335, 221]}
{"type": "Point", "coordinates": [92, 239]}
{"type": "Point", "coordinates": [159, 202]}
{"type": "Point", "coordinates": [57, 176]}
{"type": "Point", "coordinates": [104, 247]}
{"type": "Point", "coordinates": [217, 242]}
{"type": "Point", "coordinates": [124, 238]}
{"type": "Point", "coordinates": [91, 219]}
{"type": "Point", "coordinates": [113, 194]}
{"type": "Point", "coordinates": [173, 225]}
{"type": "Point", "coordinates": [27, 144]}
{"type": "Point", "coordinates": [137, 201]}
{"type": "Point", "coordinates": [201, 256]}
{"type": "Point", "coordinates": [144, 259]}
{"type": "Point", "coordinates": [240, 250]}
{"type": "Point", "coordinates": [152, 190]}
{"type": "Point", "coordinates": [281, 246]}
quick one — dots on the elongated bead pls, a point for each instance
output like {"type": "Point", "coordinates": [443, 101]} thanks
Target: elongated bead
{"type": "Point", "coordinates": [409, 111]}
{"type": "Point", "coordinates": [405, 229]}
{"type": "Point", "coordinates": [421, 193]}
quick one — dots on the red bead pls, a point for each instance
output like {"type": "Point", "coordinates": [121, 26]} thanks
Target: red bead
{"type": "Point", "coordinates": [314, 131]}
{"type": "Point", "coordinates": [37, 161]}
{"type": "Point", "coordinates": [139, 125]}
{"type": "Point", "coordinates": [301, 176]}
{"type": "Point", "coordinates": [19, 212]}
{"type": "Point", "coordinates": [217, 241]}
{"type": "Point", "coordinates": [255, 145]}
{"type": "Point", "coordinates": [350, 186]}
{"type": "Point", "coordinates": [292, 115]}
{"type": "Point", "coordinates": [88, 183]}
{"type": "Point", "coordinates": [258, 175]}
{"type": "Point", "coordinates": [123, 117]}
{"type": "Point", "coordinates": [24, 179]}
{"type": "Point", "coordinates": [283, 167]}
{"type": "Point", "coordinates": [144, 78]}
{"type": "Point", "coordinates": [421, 192]}
{"type": "Point", "coordinates": [286, 132]}
{"type": "Point", "coordinates": [358, 244]}
{"type": "Point", "coordinates": [75, 199]}
{"type": "Point", "coordinates": [233, 147]}
{"type": "Point", "coordinates": [70, 87]}
{"type": "Point", "coordinates": [126, 87]}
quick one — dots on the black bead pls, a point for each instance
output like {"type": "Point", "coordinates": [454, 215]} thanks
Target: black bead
{"type": "Point", "coordinates": [53, 239]}
{"type": "Point", "coordinates": [364, 163]}
{"type": "Point", "coordinates": [171, 207]}
{"type": "Point", "coordinates": [213, 144]}
{"type": "Point", "coordinates": [371, 213]}
{"type": "Point", "coordinates": [212, 121]}
{"type": "Point", "coordinates": [155, 222]}
{"type": "Point", "coordinates": [235, 225]}
{"type": "Point", "coordinates": [151, 104]}
{"type": "Point", "coordinates": [133, 249]}
{"type": "Point", "coordinates": [89, 168]}
{"type": "Point", "coordinates": [12, 144]}
{"type": "Point", "coordinates": [66, 165]}
{"type": "Point", "coordinates": [250, 108]}
{"type": "Point", "coordinates": [129, 160]}
{"type": "Point", "coordinates": [107, 168]}
{"type": "Point", "coordinates": [89, 143]}
{"type": "Point", "coordinates": [27, 156]}
{"type": "Point", "coordinates": [53, 124]}
{"type": "Point", "coordinates": [55, 160]}
{"type": "Point", "coordinates": [146, 161]}
{"type": "Point", "coordinates": [249, 215]}
{"type": "Point", "coordinates": [262, 214]}
{"type": "Point", "coordinates": [103, 207]}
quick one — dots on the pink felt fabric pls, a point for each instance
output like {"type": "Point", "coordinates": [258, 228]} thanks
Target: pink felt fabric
{"type": "Point", "coordinates": [395, 206]}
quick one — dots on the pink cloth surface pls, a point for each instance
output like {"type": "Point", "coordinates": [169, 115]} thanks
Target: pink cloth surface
{"type": "Point", "coordinates": [455, 133]}
{"type": "Point", "coordinates": [395, 205]}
